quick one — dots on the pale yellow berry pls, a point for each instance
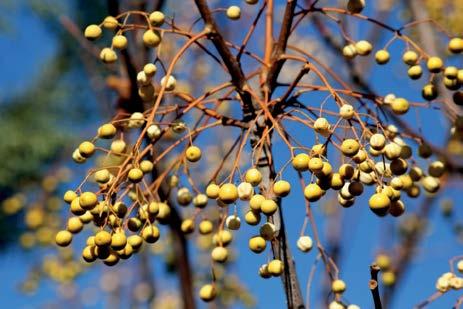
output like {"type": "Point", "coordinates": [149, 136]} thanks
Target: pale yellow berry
{"type": "Point", "coordinates": [410, 57]}
{"type": "Point", "coordinates": [305, 243]}
{"type": "Point", "coordinates": [400, 106]}
{"type": "Point", "coordinates": [107, 55]}
{"type": "Point", "coordinates": [157, 18]}
{"type": "Point", "coordinates": [382, 56]}
{"type": "Point", "coordinates": [86, 149]}
{"type": "Point", "coordinates": [135, 175]}
{"type": "Point", "coordinates": [234, 12]}
{"type": "Point", "coordinates": [219, 254]}
{"type": "Point", "coordinates": [350, 147]}
{"type": "Point", "coordinates": [349, 51]}
{"type": "Point", "coordinates": [193, 153]}
{"type": "Point", "coordinates": [363, 47]}
{"type": "Point", "coordinates": [379, 203]}
{"type": "Point", "coordinates": [301, 162]}
{"type": "Point", "coordinates": [212, 191]}
{"type": "Point", "coordinates": [435, 64]}
{"type": "Point", "coordinates": [119, 41]}
{"type": "Point", "coordinates": [338, 286]}
{"type": "Point", "coordinates": [313, 192]}
{"type": "Point", "coordinates": [169, 83]}
{"type": "Point", "coordinates": [152, 38]}
{"type": "Point", "coordinates": [245, 191]}
{"type": "Point", "coordinates": [455, 45]}
{"type": "Point", "coordinates": [281, 188]}
{"type": "Point", "coordinates": [207, 292]}
{"type": "Point", "coordinates": [256, 201]}
{"type": "Point", "coordinates": [275, 267]}
{"type": "Point", "coordinates": [253, 176]}
{"type": "Point", "coordinates": [92, 32]}
{"type": "Point", "coordinates": [110, 23]}
{"type": "Point", "coordinates": [346, 111]}
{"type": "Point", "coordinates": [257, 244]}
{"type": "Point", "coordinates": [228, 193]}
{"type": "Point", "coordinates": [268, 207]}
{"type": "Point", "coordinates": [63, 238]}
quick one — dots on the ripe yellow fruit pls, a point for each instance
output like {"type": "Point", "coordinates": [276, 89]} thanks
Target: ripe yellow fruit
{"type": "Point", "coordinates": [377, 141]}
{"type": "Point", "coordinates": [336, 181]}
{"type": "Point", "coordinates": [410, 57]}
{"type": "Point", "coordinates": [187, 226]}
{"type": "Point", "coordinates": [110, 23]}
{"type": "Point", "coordinates": [228, 193]}
{"type": "Point", "coordinates": [102, 176]}
{"type": "Point", "coordinates": [212, 191]}
{"type": "Point", "coordinates": [268, 207]}
{"type": "Point", "coordinates": [205, 227]}
{"type": "Point", "coordinates": [135, 175]}
{"type": "Point", "coordinates": [88, 200]}
{"type": "Point", "coordinates": [256, 202]}
{"type": "Point", "coordinates": [429, 92]}
{"type": "Point", "coordinates": [234, 12]}
{"type": "Point", "coordinates": [102, 238]}
{"type": "Point", "coordinates": [118, 146]}
{"type": "Point", "coordinates": [257, 244]}
{"type": "Point", "coordinates": [92, 32]}
{"type": "Point", "coordinates": [150, 69]}
{"type": "Point", "coordinates": [315, 165]}
{"type": "Point", "coordinates": [74, 225]}
{"type": "Point", "coordinates": [338, 286]}
{"type": "Point", "coordinates": [193, 153]}
{"type": "Point", "coordinates": [451, 72]}
{"type": "Point", "coordinates": [153, 132]}
{"type": "Point", "coordinates": [350, 147]}
{"type": "Point", "coordinates": [305, 243]}
{"type": "Point", "coordinates": [135, 241]}
{"type": "Point", "coordinates": [435, 64]}
{"type": "Point", "coordinates": [252, 217]}
{"type": "Point", "coordinates": [157, 18]}
{"type": "Point", "coordinates": [207, 292]}
{"type": "Point", "coordinates": [281, 188]}
{"type": "Point", "coordinates": [388, 278]}
{"type": "Point", "coordinates": [460, 266]}
{"type": "Point", "coordinates": [275, 267]}
{"type": "Point", "coordinates": [119, 41]}
{"type": "Point", "coordinates": [169, 83]}
{"type": "Point", "coordinates": [118, 240]}
{"type": "Point", "coordinates": [69, 196]}
{"type": "Point", "coordinates": [86, 149]}
{"type": "Point", "coordinates": [200, 200]}
{"type": "Point", "coordinates": [222, 238]}
{"type": "Point", "coordinates": [253, 176]}
{"type": "Point", "coordinates": [379, 203]}
{"type": "Point", "coordinates": [146, 166]}
{"type": "Point", "coordinates": [355, 6]}
{"type": "Point", "coordinates": [107, 131]}
{"type": "Point", "coordinates": [349, 51]}
{"type": "Point", "coordinates": [415, 72]}
{"type": "Point", "coordinates": [400, 106]}
{"type": "Point", "coordinates": [164, 212]}
{"type": "Point", "coordinates": [89, 254]}
{"type": "Point", "coordinates": [219, 254]}
{"type": "Point", "coordinates": [456, 45]}
{"type": "Point", "coordinates": [383, 261]}
{"type": "Point", "coordinates": [313, 192]}
{"type": "Point", "coordinates": [301, 162]}
{"type": "Point", "coordinates": [346, 111]}
{"type": "Point", "coordinates": [63, 238]}
{"type": "Point", "coordinates": [436, 169]}
{"type": "Point", "coordinates": [346, 171]}
{"type": "Point", "coordinates": [107, 55]}
{"type": "Point", "coordinates": [321, 125]}
{"type": "Point", "coordinates": [382, 56]}
{"type": "Point", "coordinates": [112, 259]}
{"type": "Point", "coordinates": [363, 47]}
{"type": "Point", "coordinates": [184, 196]}
{"type": "Point", "coordinates": [245, 191]}
{"type": "Point", "coordinates": [152, 38]}
{"type": "Point", "coordinates": [431, 184]}
{"type": "Point", "coordinates": [150, 234]}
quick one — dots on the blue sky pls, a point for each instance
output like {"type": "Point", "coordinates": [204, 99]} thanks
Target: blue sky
{"type": "Point", "coordinates": [25, 51]}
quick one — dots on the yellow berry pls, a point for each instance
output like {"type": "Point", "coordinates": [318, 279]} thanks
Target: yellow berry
{"type": "Point", "coordinates": [253, 176]}
{"type": "Point", "coordinates": [350, 147]}
{"type": "Point", "coordinates": [234, 12]}
{"type": "Point", "coordinates": [275, 267]}
{"type": "Point", "coordinates": [363, 47]}
{"type": "Point", "coordinates": [379, 203]}
{"type": "Point", "coordinates": [86, 149]}
{"type": "Point", "coordinates": [257, 244]}
{"type": "Point", "coordinates": [212, 191]}
{"type": "Point", "coordinates": [110, 23]}
{"type": "Point", "coordinates": [150, 69]}
{"type": "Point", "coordinates": [207, 292]}
{"type": "Point", "coordinates": [63, 238]}
{"type": "Point", "coordinates": [102, 176]}
{"type": "Point", "coordinates": [269, 207]}
{"type": "Point", "coordinates": [281, 188]}
{"type": "Point", "coordinates": [435, 64]}
{"type": "Point", "coordinates": [305, 243]}
{"type": "Point", "coordinates": [400, 106]}
{"type": "Point", "coordinates": [382, 56]}
{"type": "Point", "coordinates": [313, 192]}
{"type": "Point", "coordinates": [301, 162]}
{"type": "Point", "coordinates": [410, 57]}
{"type": "Point", "coordinates": [107, 131]}
{"type": "Point", "coordinates": [193, 153]}
{"type": "Point", "coordinates": [152, 38]}
{"type": "Point", "coordinates": [415, 72]}
{"type": "Point", "coordinates": [169, 83]}
{"type": "Point", "coordinates": [429, 92]}
{"type": "Point", "coordinates": [383, 261]}
{"type": "Point", "coordinates": [118, 240]}
{"type": "Point", "coordinates": [338, 286]}
{"type": "Point", "coordinates": [187, 226]}
{"type": "Point", "coordinates": [252, 217]}
{"type": "Point", "coordinates": [388, 278]}
{"type": "Point", "coordinates": [135, 175]}
{"type": "Point", "coordinates": [69, 196]}
{"type": "Point", "coordinates": [377, 141]}
{"type": "Point", "coordinates": [456, 45]}
{"type": "Point", "coordinates": [92, 32]}
{"type": "Point", "coordinates": [219, 254]}
{"type": "Point", "coordinates": [150, 234]}
{"type": "Point", "coordinates": [102, 238]}
{"type": "Point", "coordinates": [107, 55]}
{"type": "Point", "coordinates": [315, 165]}
{"type": "Point", "coordinates": [146, 166]}
{"type": "Point", "coordinates": [205, 227]}
{"type": "Point", "coordinates": [349, 51]}
{"type": "Point", "coordinates": [346, 111]}
{"type": "Point", "coordinates": [119, 41]}
{"type": "Point", "coordinates": [157, 18]}
{"type": "Point", "coordinates": [88, 200]}
{"type": "Point", "coordinates": [74, 225]}
{"type": "Point", "coordinates": [228, 193]}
